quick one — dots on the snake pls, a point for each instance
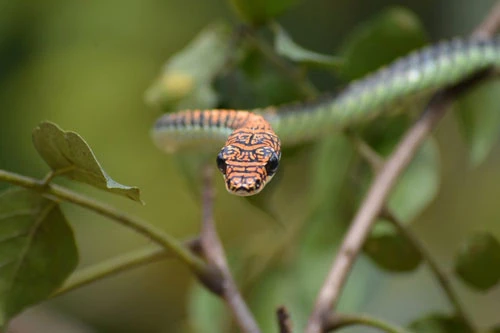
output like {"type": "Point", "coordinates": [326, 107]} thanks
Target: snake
{"type": "Point", "coordinates": [251, 139]}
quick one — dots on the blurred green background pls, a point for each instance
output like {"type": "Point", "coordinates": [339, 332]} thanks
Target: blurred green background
{"type": "Point", "coordinates": [85, 65]}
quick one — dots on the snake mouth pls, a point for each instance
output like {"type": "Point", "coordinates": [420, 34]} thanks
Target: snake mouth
{"type": "Point", "coordinates": [244, 190]}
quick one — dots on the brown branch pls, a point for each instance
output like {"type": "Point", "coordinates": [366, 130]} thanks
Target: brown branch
{"type": "Point", "coordinates": [222, 282]}
{"type": "Point", "coordinates": [284, 323]}
{"type": "Point", "coordinates": [381, 187]}
{"type": "Point", "coordinates": [122, 263]}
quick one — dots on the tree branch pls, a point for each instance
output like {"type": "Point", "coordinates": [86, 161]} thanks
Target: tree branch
{"type": "Point", "coordinates": [381, 187]}
{"type": "Point", "coordinates": [138, 225]}
{"type": "Point", "coordinates": [222, 283]}
{"type": "Point", "coordinates": [120, 264]}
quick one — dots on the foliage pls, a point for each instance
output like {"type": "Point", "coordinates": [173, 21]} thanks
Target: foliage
{"type": "Point", "coordinates": [244, 68]}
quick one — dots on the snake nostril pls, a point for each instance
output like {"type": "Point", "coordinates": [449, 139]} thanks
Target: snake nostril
{"type": "Point", "coordinates": [257, 184]}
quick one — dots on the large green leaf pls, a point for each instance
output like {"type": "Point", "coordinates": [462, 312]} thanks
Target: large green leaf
{"type": "Point", "coordinates": [68, 153]}
{"type": "Point", "coordinates": [260, 11]}
{"type": "Point", "coordinates": [187, 78]}
{"type": "Point", "coordinates": [479, 116]}
{"type": "Point", "coordinates": [286, 47]}
{"type": "Point", "coordinates": [392, 33]}
{"type": "Point", "coordinates": [438, 323]}
{"type": "Point", "coordinates": [478, 262]}
{"type": "Point", "coordinates": [37, 250]}
{"type": "Point", "coordinates": [390, 250]}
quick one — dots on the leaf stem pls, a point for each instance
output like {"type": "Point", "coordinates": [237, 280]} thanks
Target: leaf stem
{"type": "Point", "coordinates": [337, 321]}
{"type": "Point", "coordinates": [376, 162]}
{"type": "Point", "coordinates": [434, 267]}
{"type": "Point", "coordinates": [138, 225]}
{"type": "Point", "coordinates": [54, 173]}
{"type": "Point", "coordinates": [384, 181]}
{"type": "Point", "coordinates": [120, 264]}
{"type": "Point", "coordinates": [111, 267]}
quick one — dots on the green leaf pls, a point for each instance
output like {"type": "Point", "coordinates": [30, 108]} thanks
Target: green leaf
{"type": "Point", "coordinates": [37, 250]}
{"type": "Point", "coordinates": [187, 78]}
{"type": "Point", "coordinates": [478, 261]}
{"type": "Point", "coordinates": [438, 323]}
{"type": "Point", "coordinates": [479, 117]}
{"type": "Point", "coordinates": [286, 47]}
{"type": "Point", "coordinates": [419, 184]}
{"type": "Point", "coordinates": [391, 251]}
{"type": "Point", "coordinates": [254, 83]}
{"type": "Point", "coordinates": [258, 12]}
{"type": "Point", "coordinates": [67, 153]}
{"type": "Point", "coordinates": [392, 33]}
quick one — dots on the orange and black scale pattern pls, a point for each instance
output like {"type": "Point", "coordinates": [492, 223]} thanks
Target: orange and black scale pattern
{"type": "Point", "coordinates": [251, 154]}
{"type": "Point", "coordinates": [203, 118]}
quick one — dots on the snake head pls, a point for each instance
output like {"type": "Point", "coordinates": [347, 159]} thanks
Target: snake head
{"type": "Point", "coordinates": [247, 171]}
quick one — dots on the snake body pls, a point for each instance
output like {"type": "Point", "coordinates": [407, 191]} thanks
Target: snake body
{"type": "Point", "coordinates": [251, 153]}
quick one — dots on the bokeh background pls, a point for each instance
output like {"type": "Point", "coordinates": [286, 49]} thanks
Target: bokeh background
{"type": "Point", "coordinates": [85, 65]}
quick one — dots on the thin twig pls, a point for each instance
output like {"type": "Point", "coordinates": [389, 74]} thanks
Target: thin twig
{"type": "Point", "coordinates": [338, 320]}
{"type": "Point", "coordinates": [376, 162]}
{"type": "Point", "coordinates": [284, 322]}
{"type": "Point", "coordinates": [490, 25]}
{"type": "Point", "coordinates": [433, 265]}
{"type": "Point", "coordinates": [380, 189]}
{"type": "Point", "coordinates": [138, 225]}
{"type": "Point", "coordinates": [214, 254]}
{"type": "Point", "coordinates": [120, 264]}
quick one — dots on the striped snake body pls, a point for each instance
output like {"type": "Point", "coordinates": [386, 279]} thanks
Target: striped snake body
{"type": "Point", "coordinates": [251, 152]}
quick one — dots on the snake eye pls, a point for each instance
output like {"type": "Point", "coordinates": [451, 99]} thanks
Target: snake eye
{"type": "Point", "coordinates": [272, 164]}
{"type": "Point", "coordinates": [221, 163]}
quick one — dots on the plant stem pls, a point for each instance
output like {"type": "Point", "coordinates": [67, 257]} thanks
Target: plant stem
{"type": "Point", "coordinates": [384, 181]}
{"type": "Point", "coordinates": [111, 267]}
{"type": "Point", "coordinates": [212, 250]}
{"type": "Point", "coordinates": [284, 322]}
{"type": "Point", "coordinates": [343, 320]}
{"type": "Point", "coordinates": [120, 264]}
{"type": "Point", "coordinates": [138, 225]}
{"type": "Point", "coordinates": [433, 265]}
{"type": "Point", "coordinates": [376, 162]}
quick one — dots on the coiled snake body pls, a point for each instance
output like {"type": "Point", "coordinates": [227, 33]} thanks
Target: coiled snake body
{"type": "Point", "coordinates": [251, 153]}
